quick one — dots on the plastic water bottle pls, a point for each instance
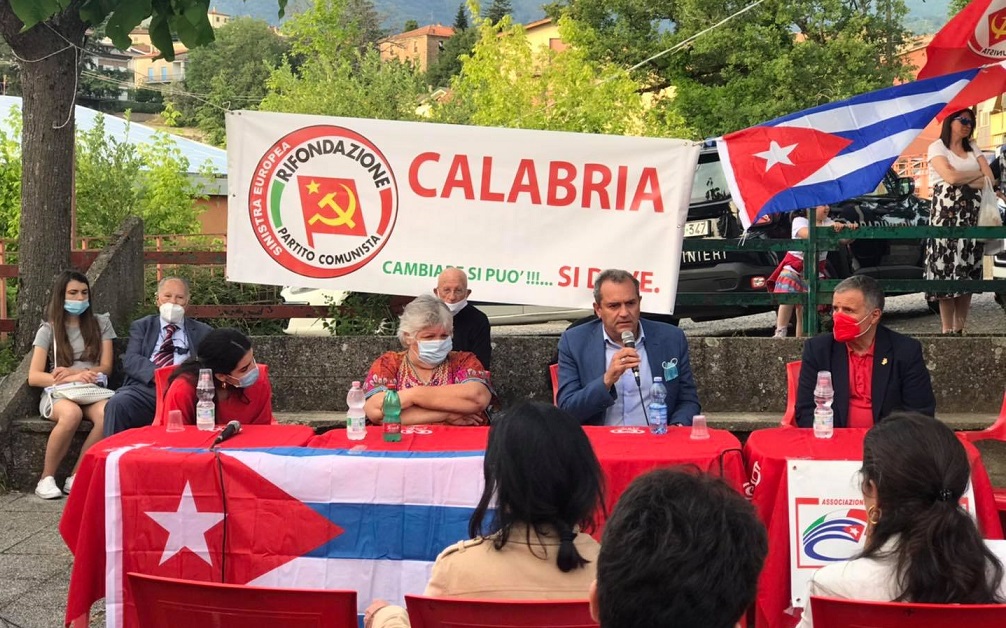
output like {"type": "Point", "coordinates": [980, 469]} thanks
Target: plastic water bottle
{"type": "Point", "coordinates": [356, 420]}
{"type": "Point", "coordinates": [658, 407]}
{"type": "Point", "coordinates": [824, 416]}
{"type": "Point", "coordinates": [392, 408]}
{"type": "Point", "coordinates": [205, 408]}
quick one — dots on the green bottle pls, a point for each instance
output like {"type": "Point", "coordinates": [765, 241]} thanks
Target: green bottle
{"type": "Point", "coordinates": [392, 408]}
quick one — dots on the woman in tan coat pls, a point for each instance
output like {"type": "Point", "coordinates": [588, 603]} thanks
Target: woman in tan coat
{"type": "Point", "coordinates": [548, 486]}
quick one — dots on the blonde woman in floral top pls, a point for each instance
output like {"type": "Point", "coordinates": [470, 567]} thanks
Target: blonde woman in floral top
{"type": "Point", "coordinates": [435, 384]}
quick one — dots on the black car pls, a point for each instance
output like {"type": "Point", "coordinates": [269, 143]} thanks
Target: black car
{"type": "Point", "coordinates": [712, 215]}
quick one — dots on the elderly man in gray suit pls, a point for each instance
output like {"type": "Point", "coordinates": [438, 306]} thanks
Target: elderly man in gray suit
{"type": "Point", "coordinates": [163, 339]}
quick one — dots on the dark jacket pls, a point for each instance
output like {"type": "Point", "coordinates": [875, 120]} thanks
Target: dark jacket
{"type": "Point", "coordinates": [143, 335]}
{"type": "Point", "coordinates": [471, 333]}
{"type": "Point", "coordinates": [900, 377]}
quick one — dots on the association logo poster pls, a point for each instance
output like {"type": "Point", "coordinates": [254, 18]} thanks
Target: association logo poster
{"type": "Point", "coordinates": [828, 521]}
{"type": "Point", "coordinates": [384, 206]}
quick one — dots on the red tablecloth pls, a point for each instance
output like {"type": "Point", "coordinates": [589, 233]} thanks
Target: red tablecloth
{"type": "Point", "coordinates": [766, 452]}
{"type": "Point", "coordinates": [83, 523]}
{"type": "Point", "coordinates": [623, 455]}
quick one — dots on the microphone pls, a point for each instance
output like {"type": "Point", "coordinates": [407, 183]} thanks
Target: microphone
{"type": "Point", "coordinates": [232, 428]}
{"type": "Point", "coordinates": [629, 340]}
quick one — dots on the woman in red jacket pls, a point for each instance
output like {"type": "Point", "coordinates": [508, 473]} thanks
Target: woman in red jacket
{"type": "Point", "coordinates": [241, 393]}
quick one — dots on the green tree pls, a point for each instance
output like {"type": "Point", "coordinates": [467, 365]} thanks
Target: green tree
{"type": "Point", "coordinates": [410, 25]}
{"type": "Point", "coordinates": [497, 10]}
{"type": "Point", "coordinates": [229, 73]}
{"type": "Point", "coordinates": [780, 57]}
{"type": "Point", "coordinates": [48, 116]}
{"type": "Point", "coordinates": [460, 18]}
{"type": "Point", "coordinates": [340, 73]}
{"type": "Point", "coordinates": [505, 82]}
{"type": "Point", "coordinates": [448, 63]}
{"type": "Point", "coordinates": [955, 7]}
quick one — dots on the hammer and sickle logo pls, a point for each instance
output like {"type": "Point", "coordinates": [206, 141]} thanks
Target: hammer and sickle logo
{"type": "Point", "coordinates": [343, 216]}
{"type": "Point", "coordinates": [998, 29]}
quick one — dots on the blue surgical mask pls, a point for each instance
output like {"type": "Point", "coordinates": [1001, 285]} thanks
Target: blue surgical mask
{"type": "Point", "coordinates": [75, 307]}
{"type": "Point", "coordinates": [433, 352]}
{"type": "Point", "coordinates": [249, 378]}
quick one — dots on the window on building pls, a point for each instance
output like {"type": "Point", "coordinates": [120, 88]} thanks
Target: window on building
{"type": "Point", "coordinates": [150, 74]}
{"type": "Point", "coordinates": [164, 72]}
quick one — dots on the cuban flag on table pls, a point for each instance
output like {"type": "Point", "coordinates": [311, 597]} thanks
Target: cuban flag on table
{"type": "Point", "coordinates": [372, 522]}
{"type": "Point", "coordinates": [833, 152]}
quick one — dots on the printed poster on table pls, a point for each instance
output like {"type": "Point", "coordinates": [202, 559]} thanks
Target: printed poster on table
{"type": "Point", "coordinates": [383, 206]}
{"type": "Point", "coordinates": [827, 517]}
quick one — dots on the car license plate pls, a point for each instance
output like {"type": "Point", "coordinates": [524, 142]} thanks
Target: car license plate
{"type": "Point", "coordinates": [697, 229]}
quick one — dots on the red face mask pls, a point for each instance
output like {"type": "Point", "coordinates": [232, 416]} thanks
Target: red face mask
{"type": "Point", "coordinates": [846, 328]}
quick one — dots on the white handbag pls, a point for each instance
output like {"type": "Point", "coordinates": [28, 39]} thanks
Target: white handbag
{"type": "Point", "coordinates": [80, 393]}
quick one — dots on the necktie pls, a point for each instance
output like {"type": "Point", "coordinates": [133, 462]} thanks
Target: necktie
{"type": "Point", "coordinates": [166, 354]}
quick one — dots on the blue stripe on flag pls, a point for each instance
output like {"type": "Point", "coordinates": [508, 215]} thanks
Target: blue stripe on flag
{"type": "Point", "coordinates": [834, 191]}
{"type": "Point", "coordinates": [391, 531]}
{"type": "Point", "coordinates": [304, 452]}
{"type": "Point", "coordinates": [870, 134]}
{"type": "Point", "coordinates": [926, 86]}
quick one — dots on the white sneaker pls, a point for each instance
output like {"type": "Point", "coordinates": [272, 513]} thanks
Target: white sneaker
{"type": "Point", "coordinates": [68, 484]}
{"type": "Point", "coordinates": [47, 488]}
{"type": "Point", "coordinates": [780, 332]}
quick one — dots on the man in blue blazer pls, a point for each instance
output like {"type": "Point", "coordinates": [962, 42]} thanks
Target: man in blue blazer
{"type": "Point", "coordinates": [162, 339]}
{"type": "Point", "coordinates": [874, 370]}
{"type": "Point", "coordinates": [596, 380]}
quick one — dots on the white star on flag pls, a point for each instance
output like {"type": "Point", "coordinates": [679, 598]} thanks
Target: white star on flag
{"type": "Point", "coordinates": [186, 527]}
{"type": "Point", "coordinates": [776, 155]}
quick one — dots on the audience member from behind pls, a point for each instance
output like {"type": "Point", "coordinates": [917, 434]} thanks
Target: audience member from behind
{"type": "Point", "coordinates": [167, 338]}
{"type": "Point", "coordinates": [681, 550]}
{"type": "Point", "coordinates": [921, 546]}
{"type": "Point", "coordinates": [874, 370]}
{"type": "Point", "coordinates": [80, 342]}
{"type": "Point", "coordinates": [241, 393]}
{"type": "Point", "coordinates": [471, 327]}
{"type": "Point", "coordinates": [435, 384]}
{"type": "Point", "coordinates": [545, 483]}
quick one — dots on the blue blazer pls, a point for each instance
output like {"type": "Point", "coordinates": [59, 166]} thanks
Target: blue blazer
{"type": "Point", "coordinates": [582, 365]}
{"type": "Point", "coordinates": [900, 377]}
{"type": "Point", "coordinates": [143, 335]}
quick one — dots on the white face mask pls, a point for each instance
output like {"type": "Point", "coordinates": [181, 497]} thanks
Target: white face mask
{"type": "Point", "coordinates": [172, 313]}
{"type": "Point", "coordinates": [456, 307]}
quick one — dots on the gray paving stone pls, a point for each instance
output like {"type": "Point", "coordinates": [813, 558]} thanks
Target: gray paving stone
{"type": "Point", "coordinates": [46, 542]}
{"type": "Point", "coordinates": [42, 605]}
{"type": "Point", "coordinates": [28, 502]}
{"type": "Point", "coordinates": [6, 498]}
{"type": "Point", "coordinates": [18, 526]}
{"type": "Point", "coordinates": [32, 566]}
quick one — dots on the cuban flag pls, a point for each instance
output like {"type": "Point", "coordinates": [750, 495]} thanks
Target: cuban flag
{"type": "Point", "coordinates": [368, 521]}
{"type": "Point", "coordinates": [840, 150]}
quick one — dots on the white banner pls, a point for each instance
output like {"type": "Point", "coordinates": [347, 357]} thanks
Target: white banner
{"type": "Point", "coordinates": [827, 517]}
{"type": "Point", "coordinates": [381, 206]}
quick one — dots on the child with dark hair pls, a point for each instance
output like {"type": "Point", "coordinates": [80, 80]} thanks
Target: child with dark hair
{"type": "Point", "coordinates": [921, 546]}
{"type": "Point", "coordinates": [241, 394]}
{"type": "Point", "coordinates": [80, 344]}
{"type": "Point", "coordinates": [545, 483]}
{"type": "Point", "coordinates": [680, 549]}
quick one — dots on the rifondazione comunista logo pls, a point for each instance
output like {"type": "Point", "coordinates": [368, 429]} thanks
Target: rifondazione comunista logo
{"type": "Point", "coordinates": [323, 201]}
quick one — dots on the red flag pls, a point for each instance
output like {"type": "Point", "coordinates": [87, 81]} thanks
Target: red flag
{"type": "Point", "coordinates": [974, 37]}
{"type": "Point", "coordinates": [330, 205]}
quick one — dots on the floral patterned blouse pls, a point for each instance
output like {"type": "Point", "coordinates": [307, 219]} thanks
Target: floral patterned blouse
{"type": "Point", "coordinates": [392, 368]}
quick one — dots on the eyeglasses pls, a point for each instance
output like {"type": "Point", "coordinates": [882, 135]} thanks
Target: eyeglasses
{"type": "Point", "coordinates": [966, 121]}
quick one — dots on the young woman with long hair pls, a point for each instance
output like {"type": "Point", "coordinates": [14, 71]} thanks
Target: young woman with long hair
{"type": "Point", "coordinates": [80, 345]}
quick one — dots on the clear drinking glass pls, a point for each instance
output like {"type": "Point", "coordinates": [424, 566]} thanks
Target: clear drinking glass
{"type": "Point", "coordinates": [175, 421]}
{"type": "Point", "coordinates": [700, 431]}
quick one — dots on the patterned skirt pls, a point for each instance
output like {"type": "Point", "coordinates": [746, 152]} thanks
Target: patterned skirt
{"type": "Point", "coordinates": [958, 259]}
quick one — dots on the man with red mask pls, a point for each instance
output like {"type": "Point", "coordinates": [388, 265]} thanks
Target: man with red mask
{"type": "Point", "coordinates": [874, 370]}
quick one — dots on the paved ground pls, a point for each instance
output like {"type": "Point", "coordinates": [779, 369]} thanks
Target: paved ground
{"type": "Point", "coordinates": [34, 562]}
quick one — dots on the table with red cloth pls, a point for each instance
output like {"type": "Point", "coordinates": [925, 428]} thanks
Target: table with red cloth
{"type": "Point", "coordinates": [624, 453]}
{"type": "Point", "coordinates": [766, 452]}
{"type": "Point", "coordinates": [82, 525]}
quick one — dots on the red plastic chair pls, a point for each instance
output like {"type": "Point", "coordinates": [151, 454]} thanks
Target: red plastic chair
{"type": "Point", "coordinates": [553, 372]}
{"type": "Point", "coordinates": [161, 376]}
{"type": "Point", "coordinates": [434, 612]}
{"type": "Point", "coordinates": [836, 613]}
{"type": "Point", "coordinates": [792, 382]}
{"type": "Point", "coordinates": [996, 431]}
{"type": "Point", "coordinates": [169, 603]}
